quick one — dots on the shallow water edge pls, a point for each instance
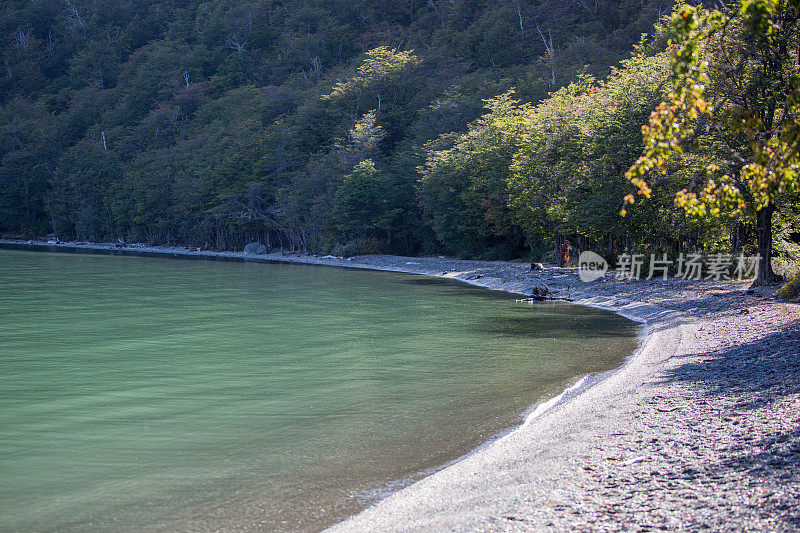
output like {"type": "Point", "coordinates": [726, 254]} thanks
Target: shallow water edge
{"type": "Point", "coordinates": [407, 265]}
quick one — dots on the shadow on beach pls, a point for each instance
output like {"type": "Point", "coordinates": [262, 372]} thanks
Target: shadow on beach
{"type": "Point", "coordinates": [754, 386]}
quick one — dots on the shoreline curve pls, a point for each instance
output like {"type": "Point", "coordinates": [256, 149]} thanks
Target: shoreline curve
{"type": "Point", "coordinates": [611, 452]}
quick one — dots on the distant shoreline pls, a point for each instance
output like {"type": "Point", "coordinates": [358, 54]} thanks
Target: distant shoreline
{"type": "Point", "coordinates": [589, 458]}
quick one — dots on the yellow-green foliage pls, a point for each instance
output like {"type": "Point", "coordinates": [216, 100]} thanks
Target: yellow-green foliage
{"type": "Point", "coordinates": [381, 64]}
{"type": "Point", "coordinates": [791, 290]}
{"type": "Point", "coordinates": [773, 168]}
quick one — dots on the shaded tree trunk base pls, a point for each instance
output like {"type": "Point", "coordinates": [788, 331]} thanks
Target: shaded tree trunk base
{"type": "Point", "coordinates": [765, 275]}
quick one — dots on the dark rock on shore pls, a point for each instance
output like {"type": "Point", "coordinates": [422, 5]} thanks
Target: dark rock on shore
{"type": "Point", "coordinates": [256, 248]}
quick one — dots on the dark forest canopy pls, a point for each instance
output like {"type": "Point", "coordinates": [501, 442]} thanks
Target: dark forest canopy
{"type": "Point", "coordinates": [484, 129]}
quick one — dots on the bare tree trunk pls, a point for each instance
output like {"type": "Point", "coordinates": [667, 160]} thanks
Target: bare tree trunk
{"type": "Point", "coordinates": [736, 238]}
{"type": "Point", "coordinates": [432, 4]}
{"type": "Point", "coordinates": [583, 244]}
{"type": "Point", "coordinates": [566, 260]}
{"type": "Point", "coordinates": [765, 274]}
{"type": "Point", "coordinates": [550, 51]}
{"type": "Point", "coordinates": [559, 250]}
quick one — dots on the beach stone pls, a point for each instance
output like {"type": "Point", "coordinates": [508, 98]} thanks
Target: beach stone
{"type": "Point", "coordinates": [255, 248]}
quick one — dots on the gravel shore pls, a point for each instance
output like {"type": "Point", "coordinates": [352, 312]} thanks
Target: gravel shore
{"type": "Point", "coordinates": [699, 430]}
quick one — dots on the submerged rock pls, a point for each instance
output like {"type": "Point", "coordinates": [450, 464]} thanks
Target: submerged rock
{"type": "Point", "coordinates": [255, 248]}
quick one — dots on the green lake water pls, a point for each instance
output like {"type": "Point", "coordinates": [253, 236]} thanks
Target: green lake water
{"type": "Point", "coordinates": [164, 394]}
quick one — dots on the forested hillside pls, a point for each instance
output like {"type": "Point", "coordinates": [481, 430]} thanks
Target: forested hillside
{"type": "Point", "coordinates": [483, 129]}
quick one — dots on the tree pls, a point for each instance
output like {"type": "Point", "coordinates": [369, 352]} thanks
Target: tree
{"type": "Point", "coordinates": [356, 206]}
{"type": "Point", "coordinates": [736, 88]}
{"type": "Point", "coordinates": [208, 123]}
{"type": "Point", "coordinates": [464, 183]}
{"type": "Point", "coordinates": [546, 168]}
{"type": "Point", "coordinates": [363, 139]}
{"type": "Point", "coordinates": [380, 73]}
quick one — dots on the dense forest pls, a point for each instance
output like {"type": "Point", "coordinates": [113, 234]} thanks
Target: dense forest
{"type": "Point", "coordinates": [481, 129]}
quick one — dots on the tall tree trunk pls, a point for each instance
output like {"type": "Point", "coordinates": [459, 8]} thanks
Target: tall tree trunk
{"type": "Point", "coordinates": [558, 250]}
{"type": "Point", "coordinates": [566, 261]}
{"type": "Point", "coordinates": [736, 238]}
{"type": "Point", "coordinates": [765, 274]}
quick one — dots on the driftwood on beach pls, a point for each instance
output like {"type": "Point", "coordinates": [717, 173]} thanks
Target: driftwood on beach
{"type": "Point", "coordinates": [543, 293]}
{"type": "Point", "coordinates": [544, 298]}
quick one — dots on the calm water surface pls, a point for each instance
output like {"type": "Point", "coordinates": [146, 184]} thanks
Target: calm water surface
{"type": "Point", "coordinates": [165, 394]}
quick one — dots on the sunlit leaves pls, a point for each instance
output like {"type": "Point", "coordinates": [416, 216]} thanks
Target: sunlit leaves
{"type": "Point", "coordinates": [381, 65]}
{"type": "Point", "coordinates": [771, 134]}
{"type": "Point", "coordinates": [363, 139]}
